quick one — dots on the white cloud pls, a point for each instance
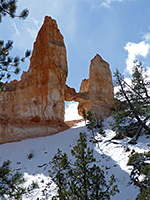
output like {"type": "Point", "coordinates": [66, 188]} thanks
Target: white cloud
{"type": "Point", "coordinates": [32, 31]}
{"type": "Point", "coordinates": [107, 3]}
{"type": "Point", "coordinates": [25, 33]}
{"type": "Point", "coordinates": [33, 27]}
{"type": "Point", "coordinates": [63, 11]}
{"type": "Point", "coordinates": [71, 112]}
{"type": "Point", "coordinates": [136, 49]}
{"type": "Point", "coordinates": [146, 36]}
{"type": "Point", "coordinates": [15, 27]}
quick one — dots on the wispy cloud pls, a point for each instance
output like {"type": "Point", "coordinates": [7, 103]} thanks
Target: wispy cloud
{"type": "Point", "coordinates": [33, 28]}
{"type": "Point", "coordinates": [25, 33]}
{"type": "Point", "coordinates": [137, 49]}
{"type": "Point", "coordinates": [107, 3]}
{"type": "Point", "coordinates": [15, 27]}
{"type": "Point", "coordinates": [146, 36]}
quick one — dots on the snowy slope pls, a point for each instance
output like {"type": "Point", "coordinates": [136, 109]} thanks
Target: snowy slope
{"type": "Point", "coordinates": [112, 158]}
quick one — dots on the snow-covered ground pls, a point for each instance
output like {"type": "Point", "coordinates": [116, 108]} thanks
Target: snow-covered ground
{"type": "Point", "coordinates": [111, 157]}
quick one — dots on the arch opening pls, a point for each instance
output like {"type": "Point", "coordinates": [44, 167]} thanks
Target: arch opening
{"type": "Point", "coordinates": [71, 111]}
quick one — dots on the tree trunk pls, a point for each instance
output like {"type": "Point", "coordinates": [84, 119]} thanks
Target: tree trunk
{"type": "Point", "coordinates": [132, 108]}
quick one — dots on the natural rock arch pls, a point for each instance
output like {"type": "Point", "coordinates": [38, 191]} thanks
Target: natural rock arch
{"type": "Point", "coordinates": [34, 106]}
{"type": "Point", "coordinates": [96, 93]}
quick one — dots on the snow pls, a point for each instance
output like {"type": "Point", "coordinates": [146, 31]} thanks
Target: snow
{"type": "Point", "coordinates": [71, 111]}
{"type": "Point", "coordinates": [111, 157]}
{"type": "Point", "coordinates": [147, 162]}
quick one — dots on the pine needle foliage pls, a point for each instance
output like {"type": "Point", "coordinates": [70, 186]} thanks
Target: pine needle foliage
{"type": "Point", "coordinates": [132, 119]}
{"type": "Point", "coordinates": [11, 183]}
{"type": "Point", "coordinates": [82, 179]}
{"type": "Point", "coordinates": [9, 64]}
{"type": "Point", "coordinates": [94, 125]}
{"type": "Point", "coordinates": [8, 7]}
{"type": "Point", "coordinates": [141, 166]}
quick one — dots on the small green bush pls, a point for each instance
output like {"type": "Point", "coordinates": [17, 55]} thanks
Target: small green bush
{"type": "Point", "coordinates": [144, 195]}
{"type": "Point", "coordinates": [147, 154]}
{"type": "Point", "coordinates": [11, 183]}
{"type": "Point", "coordinates": [140, 166]}
{"type": "Point", "coordinates": [135, 159]}
{"type": "Point", "coordinates": [118, 136]}
{"type": "Point", "coordinates": [81, 179]}
{"type": "Point", "coordinates": [30, 155]}
{"type": "Point", "coordinates": [145, 169]}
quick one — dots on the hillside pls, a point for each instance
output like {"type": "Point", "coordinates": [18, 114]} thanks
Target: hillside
{"type": "Point", "coordinates": [30, 156]}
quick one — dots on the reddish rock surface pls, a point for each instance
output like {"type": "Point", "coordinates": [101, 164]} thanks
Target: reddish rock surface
{"type": "Point", "coordinates": [34, 106]}
{"type": "Point", "coordinates": [84, 86]}
{"type": "Point", "coordinates": [98, 89]}
{"type": "Point", "coordinates": [96, 93]}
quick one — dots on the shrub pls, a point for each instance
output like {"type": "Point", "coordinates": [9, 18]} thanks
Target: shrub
{"type": "Point", "coordinates": [82, 179]}
{"type": "Point", "coordinates": [11, 183]}
{"type": "Point", "coordinates": [30, 155]}
{"type": "Point", "coordinates": [140, 163]}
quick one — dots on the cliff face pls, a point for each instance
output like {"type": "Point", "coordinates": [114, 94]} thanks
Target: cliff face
{"type": "Point", "coordinates": [99, 88]}
{"type": "Point", "coordinates": [35, 105]}
{"type": "Point", "coordinates": [96, 93]}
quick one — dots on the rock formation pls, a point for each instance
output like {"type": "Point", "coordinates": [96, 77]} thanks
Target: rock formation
{"type": "Point", "coordinates": [96, 93]}
{"type": "Point", "coordinates": [99, 89]}
{"type": "Point", "coordinates": [34, 106]}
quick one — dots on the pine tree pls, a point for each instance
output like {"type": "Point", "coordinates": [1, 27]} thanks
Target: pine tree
{"type": "Point", "coordinates": [9, 8]}
{"type": "Point", "coordinates": [131, 120]}
{"type": "Point", "coordinates": [140, 87]}
{"type": "Point", "coordinates": [82, 179]}
{"type": "Point", "coordinates": [60, 174]}
{"type": "Point", "coordinates": [94, 125]}
{"type": "Point", "coordinates": [11, 183]}
{"type": "Point", "coordinates": [141, 166]}
{"type": "Point", "coordinates": [91, 124]}
{"type": "Point", "coordinates": [81, 174]}
{"type": "Point", "coordinates": [100, 190]}
{"type": "Point", "coordinates": [8, 64]}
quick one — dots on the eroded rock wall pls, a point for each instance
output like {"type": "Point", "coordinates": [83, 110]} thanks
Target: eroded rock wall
{"type": "Point", "coordinates": [96, 93]}
{"type": "Point", "coordinates": [101, 90]}
{"type": "Point", "coordinates": [34, 106]}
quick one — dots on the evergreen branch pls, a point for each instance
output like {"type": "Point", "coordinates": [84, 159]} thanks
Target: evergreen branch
{"type": "Point", "coordinates": [133, 89]}
{"type": "Point", "coordinates": [131, 105]}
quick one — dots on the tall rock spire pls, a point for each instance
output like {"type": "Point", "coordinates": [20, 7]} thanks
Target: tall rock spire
{"type": "Point", "coordinates": [34, 106]}
{"type": "Point", "coordinates": [96, 93]}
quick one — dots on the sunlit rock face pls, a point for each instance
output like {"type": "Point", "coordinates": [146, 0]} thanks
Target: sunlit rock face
{"type": "Point", "coordinates": [96, 93]}
{"type": "Point", "coordinates": [98, 89]}
{"type": "Point", "coordinates": [34, 106]}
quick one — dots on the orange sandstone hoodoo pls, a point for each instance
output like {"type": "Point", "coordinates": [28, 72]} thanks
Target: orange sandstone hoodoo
{"type": "Point", "coordinates": [97, 92]}
{"type": "Point", "coordinates": [34, 106]}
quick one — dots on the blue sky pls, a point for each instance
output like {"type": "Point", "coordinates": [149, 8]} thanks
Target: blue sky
{"type": "Point", "coordinates": [118, 30]}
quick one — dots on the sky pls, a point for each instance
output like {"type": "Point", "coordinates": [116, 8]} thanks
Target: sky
{"type": "Point", "coordinates": [118, 30]}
